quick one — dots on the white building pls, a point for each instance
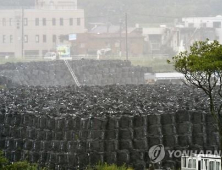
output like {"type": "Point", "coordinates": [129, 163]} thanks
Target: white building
{"type": "Point", "coordinates": [161, 37]}
{"type": "Point", "coordinates": [31, 32]}
{"type": "Point", "coordinates": [207, 23]}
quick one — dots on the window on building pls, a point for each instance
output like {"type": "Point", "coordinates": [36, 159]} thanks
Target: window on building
{"type": "Point", "coordinates": [190, 163]}
{"type": "Point", "coordinates": [202, 164]}
{"type": "Point", "coordinates": [37, 22]}
{"type": "Point", "coordinates": [217, 165]}
{"type": "Point", "coordinates": [206, 161]}
{"type": "Point", "coordinates": [31, 53]}
{"type": "Point", "coordinates": [217, 24]}
{"type": "Point", "coordinates": [191, 25]}
{"type": "Point", "coordinates": [184, 160]}
{"type": "Point", "coordinates": [44, 38]}
{"type": "Point", "coordinates": [53, 21]}
{"type": "Point", "coordinates": [10, 22]}
{"type": "Point", "coordinates": [53, 38]}
{"type": "Point", "coordinates": [194, 163]}
{"type": "Point", "coordinates": [18, 24]}
{"type": "Point", "coordinates": [25, 21]}
{"type": "Point", "coordinates": [3, 22]}
{"type": "Point", "coordinates": [37, 38]}
{"type": "Point", "coordinates": [61, 21]}
{"type": "Point", "coordinates": [44, 22]}
{"type": "Point", "coordinates": [211, 165]}
{"type": "Point", "coordinates": [78, 21]}
{"type": "Point", "coordinates": [70, 21]}
{"type": "Point", "coordinates": [11, 38]}
{"type": "Point", "coordinates": [25, 38]}
{"type": "Point", "coordinates": [3, 39]}
{"type": "Point", "coordinates": [61, 38]}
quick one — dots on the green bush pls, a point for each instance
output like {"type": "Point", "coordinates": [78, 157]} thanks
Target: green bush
{"type": "Point", "coordinates": [3, 161]}
{"type": "Point", "coordinates": [106, 166]}
{"type": "Point", "coordinates": [24, 165]}
{"type": "Point", "coordinates": [21, 165]}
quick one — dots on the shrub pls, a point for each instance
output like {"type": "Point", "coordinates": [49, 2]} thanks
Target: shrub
{"type": "Point", "coordinates": [21, 165]}
{"type": "Point", "coordinates": [106, 166]}
{"type": "Point", "coordinates": [3, 161]}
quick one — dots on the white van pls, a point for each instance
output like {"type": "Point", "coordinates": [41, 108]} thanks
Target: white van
{"type": "Point", "coordinates": [50, 56]}
{"type": "Point", "coordinates": [201, 162]}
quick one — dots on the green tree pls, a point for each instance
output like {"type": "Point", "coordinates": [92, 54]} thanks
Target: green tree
{"type": "Point", "coordinates": [202, 68]}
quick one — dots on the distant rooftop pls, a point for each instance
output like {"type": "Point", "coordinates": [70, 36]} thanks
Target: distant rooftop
{"type": "Point", "coordinates": [105, 29]}
{"type": "Point", "coordinates": [101, 29]}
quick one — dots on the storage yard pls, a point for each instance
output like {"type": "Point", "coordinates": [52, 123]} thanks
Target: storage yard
{"type": "Point", "coordinates": [46, 118]}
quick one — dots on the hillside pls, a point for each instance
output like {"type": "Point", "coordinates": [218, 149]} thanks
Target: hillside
{"type": "Point", "coordinates": [140, 11]}
{"type": "Point", "coordinates": [16, 3]}
{"type": "Point", "coordinates": [143, 11]}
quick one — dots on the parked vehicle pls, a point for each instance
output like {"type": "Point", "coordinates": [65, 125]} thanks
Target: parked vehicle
{"type": "Point", "coordinates": [50, 56]}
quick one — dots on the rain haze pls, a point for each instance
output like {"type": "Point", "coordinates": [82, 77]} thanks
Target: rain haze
{"type": "Point", "coordinates": [110, 84]}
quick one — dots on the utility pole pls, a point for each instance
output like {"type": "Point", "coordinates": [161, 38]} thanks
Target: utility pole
{"type": "Point", "coordinates": [120, 39]}
{"type": "Point", "coordinates": [22, 39]}
{"type": "Point", "coordinates": [126, 20]}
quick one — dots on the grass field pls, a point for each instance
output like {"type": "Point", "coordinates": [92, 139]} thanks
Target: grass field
{"type": "Point", "coordinates": [158, 65]}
